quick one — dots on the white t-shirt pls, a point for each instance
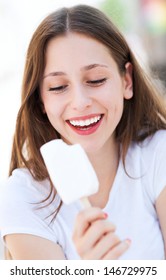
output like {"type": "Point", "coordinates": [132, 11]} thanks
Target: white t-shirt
{"type": "Point", "coordinates": [131, 204]}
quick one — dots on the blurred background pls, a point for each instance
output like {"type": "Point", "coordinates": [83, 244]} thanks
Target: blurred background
{"type": "Point", "coordinates": [143, 22]}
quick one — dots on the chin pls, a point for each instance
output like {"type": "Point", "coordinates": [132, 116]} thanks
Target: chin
{"type": "Point", "coordinates": [90, 149]}
{"type": "Point", "coordinates": [88, 146]}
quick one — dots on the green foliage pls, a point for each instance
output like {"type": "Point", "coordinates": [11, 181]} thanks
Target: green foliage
{"type": "Point", "coordinates": [118, 11]}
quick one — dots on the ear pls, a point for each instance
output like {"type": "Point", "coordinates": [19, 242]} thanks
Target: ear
{"type": "Point", "coordinates": [128, 81]}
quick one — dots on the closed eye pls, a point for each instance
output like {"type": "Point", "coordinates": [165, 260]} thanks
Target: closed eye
{"type": "Point", "coordinates": [58, 89]}
{"type": "Point", "coordinates": [97, 82]}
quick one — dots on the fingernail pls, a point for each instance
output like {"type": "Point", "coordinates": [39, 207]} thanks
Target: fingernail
{"type": "Point", "coordinates": [128, 241]}
{"type": "Point", "coordinates": [105, 215]}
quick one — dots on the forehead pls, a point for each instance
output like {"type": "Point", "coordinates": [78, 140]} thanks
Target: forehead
{"type": "Point", "coordinates": [73, 47]}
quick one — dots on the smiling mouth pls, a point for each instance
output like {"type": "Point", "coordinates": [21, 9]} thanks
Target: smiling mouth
{"type": "Point", "coordinates": [85, 124]}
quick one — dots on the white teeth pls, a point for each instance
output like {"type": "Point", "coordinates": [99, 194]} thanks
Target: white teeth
{"type": "Point", "coordinates": [86, 122]}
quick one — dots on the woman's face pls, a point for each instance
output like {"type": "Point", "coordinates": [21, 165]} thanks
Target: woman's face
{"type": "Point", "coordinates": [82, 90]}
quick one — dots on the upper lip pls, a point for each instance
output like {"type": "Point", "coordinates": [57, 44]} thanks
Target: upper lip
{"type": "Point", "coordinates": [84, 117]}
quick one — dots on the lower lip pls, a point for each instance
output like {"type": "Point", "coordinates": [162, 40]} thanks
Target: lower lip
{"type": "Point", "coordinates": [87, 131]}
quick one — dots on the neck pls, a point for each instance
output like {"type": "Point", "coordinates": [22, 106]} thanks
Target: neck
{"type": "Point", "coordinates": [105, 163]}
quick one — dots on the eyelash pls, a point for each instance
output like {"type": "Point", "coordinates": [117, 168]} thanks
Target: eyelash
{"type": "Point", "coordinates": [97, 82]}
{"type": "Point", "coordinates": [58, 89]}
{"type": "Point", "coordinates": [92, 83]}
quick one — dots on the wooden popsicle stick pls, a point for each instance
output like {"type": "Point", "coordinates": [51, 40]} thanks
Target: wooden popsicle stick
{"type": "Point", "coordinates": [85, 202]}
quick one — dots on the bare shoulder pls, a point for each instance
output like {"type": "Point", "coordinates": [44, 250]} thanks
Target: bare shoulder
{"type": "Point", "coordinates": [31, 247]}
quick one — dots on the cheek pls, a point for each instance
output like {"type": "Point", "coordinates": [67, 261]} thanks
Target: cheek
{"type": "Point", "coordinates": [119, 106]}
{"type": "Point", "coordinates": [53, 113]}
{"type": "Point", "coordinates": [115, 108]}
{"type": "Point", "coordinates": [52, 108]}
{"type": "Point", "coordinates": [113, 100]}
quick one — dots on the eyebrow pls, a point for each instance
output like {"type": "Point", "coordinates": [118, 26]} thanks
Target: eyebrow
{"type": "Point", "coordinates": [91, 66]}
{"type": "Point", "coordinates": [52, 74]}
{"type": "Point", "coordinates": [84, 68]}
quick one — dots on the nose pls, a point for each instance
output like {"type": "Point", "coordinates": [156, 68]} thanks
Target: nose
{"type": "Point", "coordinates": [80, 100]}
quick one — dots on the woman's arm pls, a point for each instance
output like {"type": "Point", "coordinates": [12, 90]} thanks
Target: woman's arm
{"type": "Point", "coordinates": [161, 211]}
{"type": "Point", "coordinates": [31, 247]}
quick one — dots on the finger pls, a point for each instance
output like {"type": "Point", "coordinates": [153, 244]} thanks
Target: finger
{"type": "Point", "coordinates": [108, 241]}
{"type": "Point", "coordinates": [102, 247]}
{"type": "Point", "coordinates": [98, 230]}
{"type": "Point", "coordinates": [84, 220]}
{"type": "Point", "coordinates": [118, 250]}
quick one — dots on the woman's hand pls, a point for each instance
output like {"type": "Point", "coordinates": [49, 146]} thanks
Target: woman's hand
{"type": "Point", "coordinates": [94, 236]}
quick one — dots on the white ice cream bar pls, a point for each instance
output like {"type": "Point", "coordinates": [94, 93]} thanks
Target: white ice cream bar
{"type": "Point", "coordinates": [70, 170]}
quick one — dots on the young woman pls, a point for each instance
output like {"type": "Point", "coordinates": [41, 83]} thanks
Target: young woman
{"type": "Point", "coordinates": [83, 84]}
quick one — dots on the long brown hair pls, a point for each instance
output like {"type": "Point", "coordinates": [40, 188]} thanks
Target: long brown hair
{"type": "Point", "coordinates": [143, 115]}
